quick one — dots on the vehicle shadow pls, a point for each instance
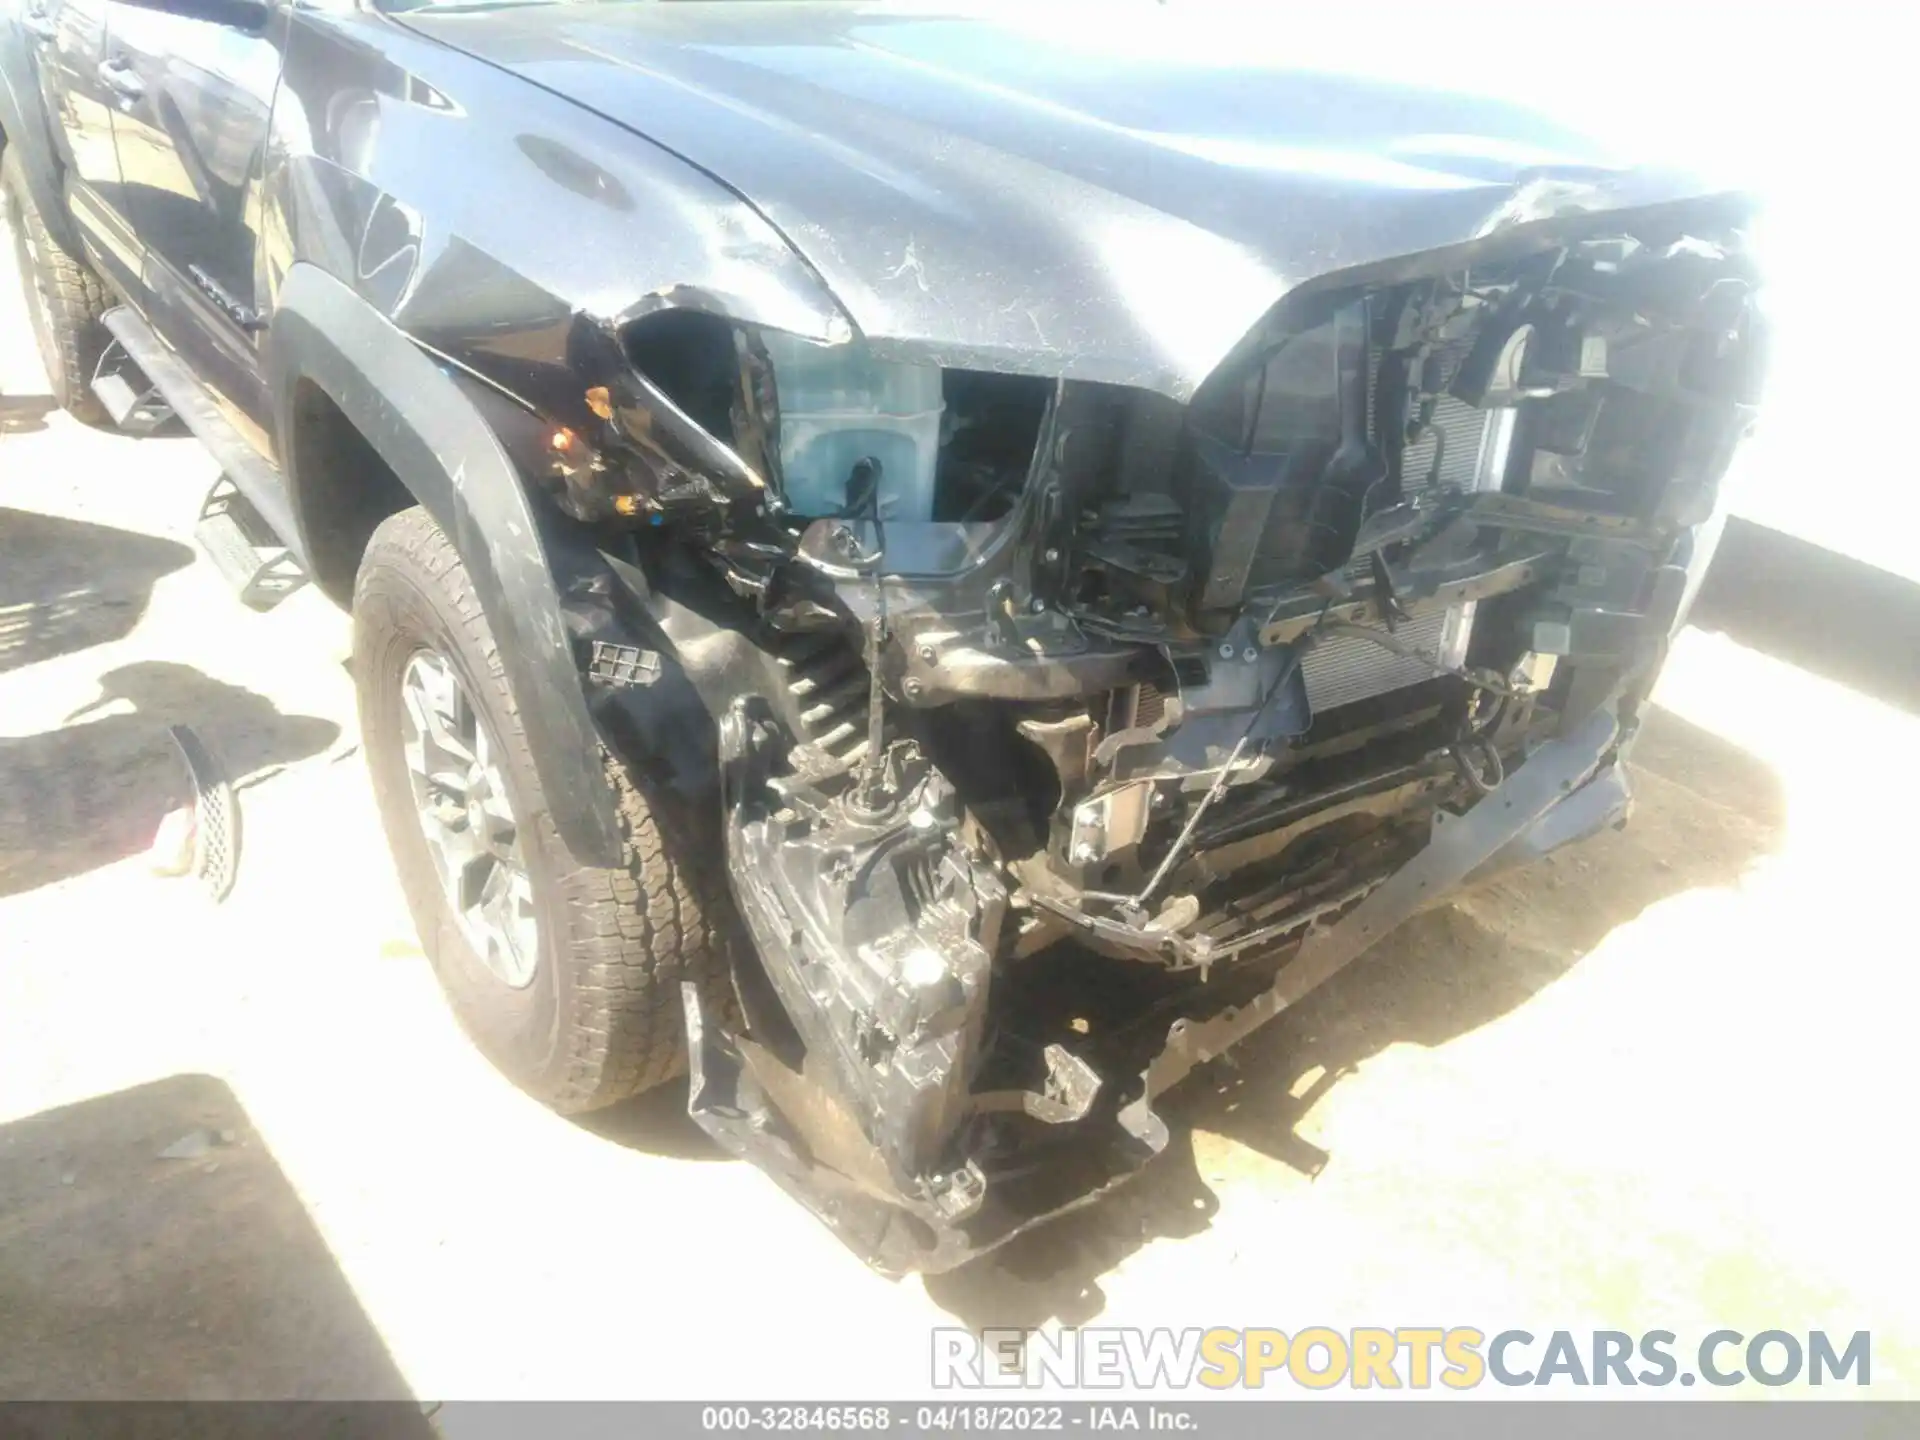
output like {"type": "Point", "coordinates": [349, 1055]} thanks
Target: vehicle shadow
{"type": "Point", "coordinates": [656, 1123]}
{"type": "Point", "coordinates": [89, 794]}
{"type": "Point", "coordinates": [66, 584]}
{"type": "Point", "coordinates": [23, 414]}
{"type": "Point", "coordinates": [1824, 612]}
{"type": "Point", "coordinates": [1706, 811]}
{"type": "Point", "coordinates": [152, 1250]}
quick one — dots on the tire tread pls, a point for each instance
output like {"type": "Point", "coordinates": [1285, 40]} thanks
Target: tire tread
{"type": "Point", "coordinates": [638, 929]}
{"type": "Point", "coordinates": [76, 296]}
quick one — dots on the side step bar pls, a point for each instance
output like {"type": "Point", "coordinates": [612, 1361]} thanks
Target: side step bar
{"type": "Point", "coordinates": [249, 557]}
{"type": "Point", "coordinates": [136, 407]}
{"type": "Point", "coordinates": [246, 525]}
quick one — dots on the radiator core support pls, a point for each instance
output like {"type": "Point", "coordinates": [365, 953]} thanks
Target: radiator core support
{"type": "Point", "coordinates": [1472, 446]}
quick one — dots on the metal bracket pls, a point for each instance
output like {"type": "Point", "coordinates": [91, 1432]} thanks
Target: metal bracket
{"type": "Point", "coordinates": [623, 665]}
{"type": "Point", "coordinates": [1460, 845]}
{"type": "Point", "coordinates": [133, 403]}
{"type": "Point", "coordinates": [230, 532]}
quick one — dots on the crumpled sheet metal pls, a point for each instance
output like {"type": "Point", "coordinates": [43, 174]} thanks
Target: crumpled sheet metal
{"type": "Point", "coordinates": [1580, 770]}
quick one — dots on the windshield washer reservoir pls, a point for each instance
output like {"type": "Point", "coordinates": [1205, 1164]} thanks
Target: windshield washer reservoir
{"type": "Point", "coordinates": [839, 405]}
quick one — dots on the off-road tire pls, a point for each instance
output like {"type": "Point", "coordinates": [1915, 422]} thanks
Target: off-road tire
{"type": "Point", "coordinates": [602, 1017]}
{"type": "Point", "coordinates": [65, 301]}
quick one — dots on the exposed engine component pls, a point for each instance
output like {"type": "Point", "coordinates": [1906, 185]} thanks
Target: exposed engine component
{"type": "Point", "coordinates": [877, 925]}
{"type": "Point", "coordinates": [1191, 688]}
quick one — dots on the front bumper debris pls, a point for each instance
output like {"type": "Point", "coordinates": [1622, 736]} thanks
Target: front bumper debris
{"type": "Point", "coordinates": [756, 1107]}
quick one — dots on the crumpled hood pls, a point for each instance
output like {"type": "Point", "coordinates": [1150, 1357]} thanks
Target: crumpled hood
{"type": "Point", "coordinates": [1099, 206]}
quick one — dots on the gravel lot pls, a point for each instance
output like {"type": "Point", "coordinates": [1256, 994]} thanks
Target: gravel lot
{"type": "Point", "coordinates": [1664, 1081]}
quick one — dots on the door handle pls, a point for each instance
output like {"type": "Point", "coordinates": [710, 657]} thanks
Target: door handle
{"type": "Point", "coordinates": [244, 316]}
{"type": "Point", "coordinates": [118, 77]}
{"type": "Point", "coordinates": [40, 25]}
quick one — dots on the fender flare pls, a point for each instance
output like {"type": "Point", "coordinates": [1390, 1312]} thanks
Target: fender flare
{"type": "Point", "coordinates": [429, 433]}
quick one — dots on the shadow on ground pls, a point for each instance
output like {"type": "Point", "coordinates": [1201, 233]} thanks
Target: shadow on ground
{"type": "Point", "coordinates": [23, 414]}
{"type": "Point", "coordinates": [1706, 811]}
{"type": "Point", "coordinates": [89, 794]}
{"type": "Point", "coordinates": [1819, 610]}
{"type": "Point", "coordinates": [66, 585]}
{"type": "Point", "coordinates": [656, 1123]}
{"type": "Point", "coordinates": [151, 1249]}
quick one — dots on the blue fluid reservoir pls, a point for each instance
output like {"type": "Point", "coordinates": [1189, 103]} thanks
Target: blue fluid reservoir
{"type": "Point", "coordinates": [840, 405]}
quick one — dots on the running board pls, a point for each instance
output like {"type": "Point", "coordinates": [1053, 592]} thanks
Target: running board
{"type": "Point", "coordinates": [135, 407]}
{"type": "Point", "coordinates": [252, 474]}
{"type": "Point", "coordinates": [246, 523]}
{"type": "Point", "coordinates": [249, 557]}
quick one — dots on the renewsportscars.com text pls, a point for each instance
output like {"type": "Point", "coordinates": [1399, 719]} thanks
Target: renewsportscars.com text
{"type": "Point", "coordinates": [1367, 1357]}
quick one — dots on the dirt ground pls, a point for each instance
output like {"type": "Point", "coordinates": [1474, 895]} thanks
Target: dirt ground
{"type": "Point", "coordinates": [1665, 1080]}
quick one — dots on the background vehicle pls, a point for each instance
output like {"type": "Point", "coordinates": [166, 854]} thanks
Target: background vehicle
{"type": "Point", "coordinates": [956, 505]}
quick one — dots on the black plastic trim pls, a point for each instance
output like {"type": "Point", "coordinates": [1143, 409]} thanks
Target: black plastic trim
{"type": "Point", "coordinates": [424, 427]}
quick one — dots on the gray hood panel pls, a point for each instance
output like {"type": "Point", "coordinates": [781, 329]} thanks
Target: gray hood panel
{"type": "Point", "coordinates": [977, 199]}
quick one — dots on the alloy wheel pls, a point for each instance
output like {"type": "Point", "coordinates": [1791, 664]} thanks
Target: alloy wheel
{"type": "Point", "coordinates": [471, 832]}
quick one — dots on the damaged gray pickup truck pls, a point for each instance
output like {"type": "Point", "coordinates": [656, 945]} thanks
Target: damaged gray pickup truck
{"type": "Point", "coordinates": [930, 579]}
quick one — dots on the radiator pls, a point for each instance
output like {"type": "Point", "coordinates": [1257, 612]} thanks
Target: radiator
{"type": "Point", "coordinates": [1343, 669]}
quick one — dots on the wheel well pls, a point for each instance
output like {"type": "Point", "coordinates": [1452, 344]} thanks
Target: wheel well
{"type": "Point", "coordinates": [343, 488]}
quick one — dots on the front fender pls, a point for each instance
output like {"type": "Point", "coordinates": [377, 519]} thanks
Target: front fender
{"type": "Point", "coordinates": [23, 121]}
{"type": "Point", "coordinates": [425, 428]}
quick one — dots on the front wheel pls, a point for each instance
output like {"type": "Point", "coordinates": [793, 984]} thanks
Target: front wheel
{"type": "Point", "coordinates": [567, 976]}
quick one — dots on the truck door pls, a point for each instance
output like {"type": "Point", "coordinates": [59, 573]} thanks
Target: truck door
{"type": "Point", "coordinates": [68, 39]}
{"type": "Point", "coordinates": [191, 143]}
